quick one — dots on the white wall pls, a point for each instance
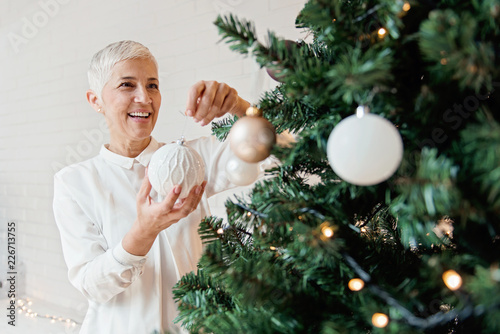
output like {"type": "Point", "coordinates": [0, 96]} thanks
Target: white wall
{"type": "Point", "coordinates": [46, 123]}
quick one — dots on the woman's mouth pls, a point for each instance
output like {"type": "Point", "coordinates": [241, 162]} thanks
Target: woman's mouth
{"type": "Point", "coordinates": [139, 114]}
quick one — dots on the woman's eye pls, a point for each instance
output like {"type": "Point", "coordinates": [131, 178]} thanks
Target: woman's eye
{"type": "Point", "coordinates": [154, 86]}
{"type": "Point", "coordinates": [126, 84]}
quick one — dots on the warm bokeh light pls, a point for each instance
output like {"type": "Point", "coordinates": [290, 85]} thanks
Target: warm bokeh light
{"type": "Point", "coordinates": [406, 6]}
{"type": "Point", "coordinates": [452, 280]}
{"type": "Point", "coordinates": [382, 32]}
{"type": "Point", "coordinates": [327, 231]}
{"type": "Point", "coordinates": [356, 284]}
{"type": "Point", "coordinates": [220, 231]}
{"type": "Point", "coordinates": [380, 320]}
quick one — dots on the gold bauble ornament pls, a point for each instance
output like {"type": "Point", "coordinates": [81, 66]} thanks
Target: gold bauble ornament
{"type": "Point", "coordinates": [252, 137]}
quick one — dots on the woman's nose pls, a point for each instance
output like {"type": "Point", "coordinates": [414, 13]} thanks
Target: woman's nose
{"type": "Point", "coordinates": [142, 95]}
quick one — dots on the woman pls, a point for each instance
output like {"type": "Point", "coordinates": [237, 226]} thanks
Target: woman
{"type": "Point", "coordinates": [124, 250]}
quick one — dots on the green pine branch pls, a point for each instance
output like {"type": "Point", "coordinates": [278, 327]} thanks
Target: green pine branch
{"type": "Point", "coordinates": [434, 75]}
{"type": "Point", "coordinates": [424, 198]}
{"type": "Point", "coordinates": [201, 298]}
{"type": "Point", "coordinates": [240, 33]}
{"type": "Point", "coordinates": [220, 129]}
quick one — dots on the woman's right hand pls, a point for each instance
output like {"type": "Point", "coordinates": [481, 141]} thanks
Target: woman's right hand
{"type": "Point", "coordinates": [153, 217]}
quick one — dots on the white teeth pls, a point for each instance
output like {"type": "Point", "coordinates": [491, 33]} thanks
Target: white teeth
{"type": "Point", "coordinates": [140, 114]}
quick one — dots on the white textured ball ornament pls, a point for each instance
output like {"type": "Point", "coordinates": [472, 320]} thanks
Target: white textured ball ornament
{"type": "Point", "coordinates": [365, 149]}
{"type": "Point", "coordinates": [176, 164]}
{"type": "Point", "coordinates": [241, 173]}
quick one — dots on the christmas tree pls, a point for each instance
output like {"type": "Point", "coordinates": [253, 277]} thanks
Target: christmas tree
{"type": "Point", "coordinates": [312, 250]}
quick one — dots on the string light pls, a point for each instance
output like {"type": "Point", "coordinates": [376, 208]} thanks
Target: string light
{"type": "Point", "coordinates": [220, 231]}
{"type": "Point", "coordinates": [327, 231]}
{"type": "Point", "coordinates": [380, 320]}
{"type": "Point", "coordinates": [249, 214]}
{"type": "Point", "coordinates": [452, 280]}
{"type": "Point", "coordinates": [381, 32]}
{"type": "Point", "coordinates": [272, 248]}
{"type": "Point", "coordinates": [29, 313]}
{"type": "Point", "coordinates": [445, 308]}
{"type": "Point", "coordinates": [406, 6]}
{"type": "Point", "coordinates": [356, 284]}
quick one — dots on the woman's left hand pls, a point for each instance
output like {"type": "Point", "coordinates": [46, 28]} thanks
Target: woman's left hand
{"type": "Point", "coordinates": [210, 99]}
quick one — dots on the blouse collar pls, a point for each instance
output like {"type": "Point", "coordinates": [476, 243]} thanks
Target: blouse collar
{"type": "Point", "coordinates": [143, 158]}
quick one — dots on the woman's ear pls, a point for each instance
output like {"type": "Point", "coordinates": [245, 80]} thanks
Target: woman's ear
{"type": "Point", "coordinates": [94, 101]}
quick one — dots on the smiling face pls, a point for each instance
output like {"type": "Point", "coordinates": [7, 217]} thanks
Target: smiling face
{"type": "Point", "coordinates": [130, 102]}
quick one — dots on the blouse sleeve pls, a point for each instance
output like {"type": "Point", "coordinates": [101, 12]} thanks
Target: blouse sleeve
{"type": "Point", "coordinates": [97, 271]}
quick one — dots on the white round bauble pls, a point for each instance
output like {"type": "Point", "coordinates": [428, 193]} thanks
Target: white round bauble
{"type": "Point", "coordinates": [175, 164]}
{"type": "Point", "coordinates": [241, 173]}
{"type": "Point", "coordinates": [365, 150]}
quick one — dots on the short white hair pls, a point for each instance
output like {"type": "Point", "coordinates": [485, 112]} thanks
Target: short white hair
{"type": "Point", "coordinates": [102, 62]}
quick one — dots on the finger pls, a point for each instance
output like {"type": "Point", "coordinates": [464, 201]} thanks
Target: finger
{"type": "Point", "coordinates": [197, 194]}
{"type": "Point", "coordinates": [192, 201]}
{"type": "Point", "coordinates": [169, 202]}
{"type": "Point", "coordinates": [194, 93]}
{"type": "Point", "coordinates": [145, 188]}
{"type": "Point", "coordinates": [207, 100]}
{"type": "Point", "coordinates": [203, 186]}
{"type": "Point", "coordinates": [179, 203]}
{"type": "Point", "coordinates": [215, 109]}
{"type": "Point", "coordinates": [230, 101]}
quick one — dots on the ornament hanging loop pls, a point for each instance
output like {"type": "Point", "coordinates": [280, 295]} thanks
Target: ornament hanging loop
{"type": "Point", "coordinates": [362, 110]}
{"type": "Point", "coordinates": [181, 140]}
{"type": "Point", "coordinates": [253, 111]}
{"type": "Point", "coordinates": [365, 101]}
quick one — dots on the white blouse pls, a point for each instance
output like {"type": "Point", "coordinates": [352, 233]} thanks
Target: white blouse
{"type": "Point", "coordinates": [95, 206]}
